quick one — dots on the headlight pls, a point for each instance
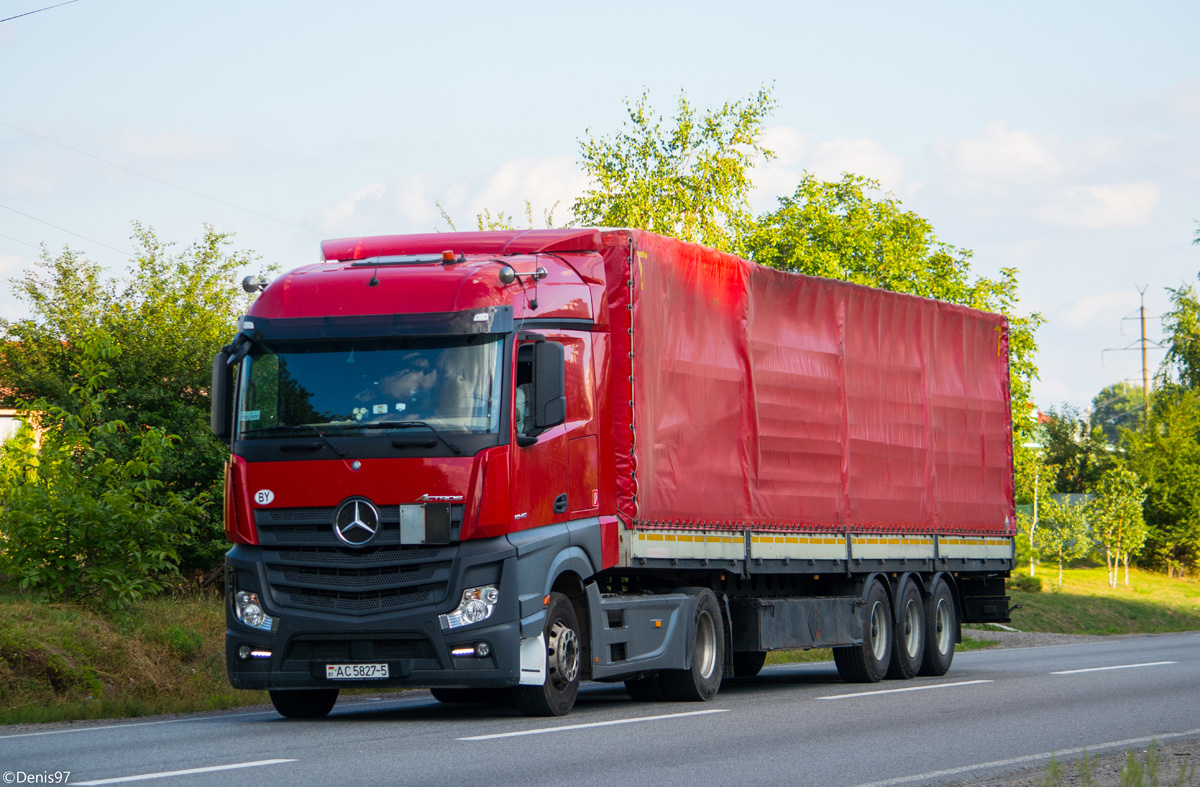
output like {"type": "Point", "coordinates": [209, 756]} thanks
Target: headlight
{"type": "Point", "coordinates": [249, 610]}
{"type": "Point", "coordinates": [476, 605]}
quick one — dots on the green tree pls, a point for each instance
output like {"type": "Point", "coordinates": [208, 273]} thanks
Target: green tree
{"type": "Point", "coordinates": [168, 317]}
{"type": "Point", "coordinates": [1062, 534]}
{"type": "Point", "coordinates": [1118, 526]}
{"type": "Point", "coordinates": [689, 178]}
{"type": "Point", "coordinates": [1080, 455]}
{"type": "Point", "coordinates": [1181, 325]}
{"type": "Point", "coordinates": [84, 515]}
{"type": "Point", "coordinates": [1117, 406]}
{"type": "Point", "coordinates": [1165, 454]}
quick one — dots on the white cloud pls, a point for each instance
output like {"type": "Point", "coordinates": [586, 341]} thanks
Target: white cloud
{"type": "Point", "coordinates": [548, 183]}
{"type": "Point", "coordinates": [172, 144]}
{"type": "Point", "coordinates": [861, 156]}
{"type": "Point", "coordinates": [346, 214]}
{"type": "Point", "coordinates": [786, 143]}
{"type": "Point", "coordinates": [1098, 311]}
{"type": "Point", "coordinates": [1185, 100]}
{"type": "Point", "coordinates": [1103, 206]}
{"type": "Point", "coordinates": [1005, 155]}
{"type": "Point", "coordinates": [409, 204]}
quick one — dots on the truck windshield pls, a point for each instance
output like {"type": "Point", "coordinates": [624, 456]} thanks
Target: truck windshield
{"type": "Point", "coordinates": [351, 386]}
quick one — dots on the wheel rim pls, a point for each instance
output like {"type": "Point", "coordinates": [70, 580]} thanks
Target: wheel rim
{"type": "Point", "coordinates": [912, 626]}
{"type": "Point", "coordinates": [562, 655]}
{"type": "Point", "coordinates": [705, 654]}
{"type": "Point", "coordinates": [878, 630]}
{"type": "Point", "coordinates": [943, 625]}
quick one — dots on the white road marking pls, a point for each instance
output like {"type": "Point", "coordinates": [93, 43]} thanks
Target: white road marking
{"type": "Point", "coordinates": [398, 701]}
{"type": "Point", "coordinates": [568, 727]}
{"type": "Point", "coordinates": [1043, 757]}
{"type": "Point", "coordinates": [897, 691]}
{"type": "Point", "coordinates": [1119, 666]}
{"type": "Point", "coordinates": [164, 774]}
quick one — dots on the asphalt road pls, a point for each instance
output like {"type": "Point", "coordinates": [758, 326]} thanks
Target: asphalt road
{"type": "Point", "coordinates": [994, 712]}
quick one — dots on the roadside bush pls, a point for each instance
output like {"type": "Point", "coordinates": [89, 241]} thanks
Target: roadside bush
{"type": "Point", "coordinates": [1024, 583]}
{"type": "Point", "coordinates": [78, 523]}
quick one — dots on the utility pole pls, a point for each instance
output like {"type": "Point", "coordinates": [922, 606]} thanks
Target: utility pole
{"type": "Point", "coordinates": [1144, 343]}
{"type": "Point", "coordinates": [1145, 369]}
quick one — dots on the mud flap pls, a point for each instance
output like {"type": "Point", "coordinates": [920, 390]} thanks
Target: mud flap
{"type": "Point", "coordinates": [533, 660]}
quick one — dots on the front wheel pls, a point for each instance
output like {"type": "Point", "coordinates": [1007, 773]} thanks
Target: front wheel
{"type": "Point", "coordinates": [304, 703]}
{"type": "Point", "coordinates": [868, 662]}
{"type": "Point", "coordinates": [556, 696]}
{"type": "Point", "coordinates": [701, 682]}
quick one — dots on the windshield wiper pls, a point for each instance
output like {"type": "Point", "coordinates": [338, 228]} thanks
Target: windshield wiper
{"type": "Point", "coordinates": [407, 424]}
{"type": "Point", "coordinates": [305, 427]}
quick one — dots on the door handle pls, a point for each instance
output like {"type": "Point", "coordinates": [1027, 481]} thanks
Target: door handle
{"type": "Point", "coordinates": [560, 504]}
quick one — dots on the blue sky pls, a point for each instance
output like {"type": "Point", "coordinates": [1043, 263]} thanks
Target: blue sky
{"type": "Point", "coordinates": [1056, 138]}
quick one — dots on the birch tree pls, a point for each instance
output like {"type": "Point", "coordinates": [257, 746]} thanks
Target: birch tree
{"type": "Point", "coordinates": [1116, 517]}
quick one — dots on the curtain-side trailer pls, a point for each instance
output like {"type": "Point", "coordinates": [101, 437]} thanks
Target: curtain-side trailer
{"type": "Point", "coordinates": [498, 464]}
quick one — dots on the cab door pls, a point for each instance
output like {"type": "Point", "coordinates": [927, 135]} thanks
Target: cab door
{"type": "Point", "coordinates": [540, 466]}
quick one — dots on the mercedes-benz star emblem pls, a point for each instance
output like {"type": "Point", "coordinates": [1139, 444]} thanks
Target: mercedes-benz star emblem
{"type": "Point", "coordinates": [356, 522]}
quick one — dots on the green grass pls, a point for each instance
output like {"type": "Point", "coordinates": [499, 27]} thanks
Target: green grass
{"type": "Point", "coordinates": [1086, 605]}
{"type": "Point", "coordinates": [66, 661]}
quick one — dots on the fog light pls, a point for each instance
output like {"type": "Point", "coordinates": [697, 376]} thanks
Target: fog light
{"type": "Point", "coordinates": [482, 649]}
{"type": "Point", "coordinates": [476, 605]}
{"type": "Point", "coordinates": [249, 610]}
{"type": "Point", "coordinates": [244, 652]}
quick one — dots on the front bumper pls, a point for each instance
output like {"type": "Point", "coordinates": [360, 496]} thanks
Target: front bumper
{"type": "Point", "coordinates": [409, 639]}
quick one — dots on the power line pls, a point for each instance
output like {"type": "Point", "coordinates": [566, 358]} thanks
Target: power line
{"type": "Point", "coordinates": [23, 243]}
{"type": "Point", "coordinates": [160, 180]}
{"type": "Point", "coordinates": [63, 229]}
{"type": "Point", "coordinates": [27, 13]}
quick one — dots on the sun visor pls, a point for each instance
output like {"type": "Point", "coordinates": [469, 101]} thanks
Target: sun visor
{"type": "Point", "coordinates": [493, 319]}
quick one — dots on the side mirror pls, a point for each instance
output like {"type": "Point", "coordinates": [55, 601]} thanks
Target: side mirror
{"type": "Point", "coordinates": [549, 385]}
{"type": "Point", "coordinates": [222, 397]}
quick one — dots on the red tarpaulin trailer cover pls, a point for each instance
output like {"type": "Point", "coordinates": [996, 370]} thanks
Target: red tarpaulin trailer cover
{"type": "Point", "coordinates": [780, 401]}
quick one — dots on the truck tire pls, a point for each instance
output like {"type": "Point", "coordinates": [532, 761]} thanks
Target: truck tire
{"type": "Point", "coordinates": [908, 644]}
{"type": "Point", "coordinates": [702, 681]}
{"type": "Point", "coordinates": [748, 663]}
{"type": "Point", "coordinates": [941, 628]}
{"type": "Point", "coordinates": [868, 662]}
{"type": "Point", "coordinates": [304, 703]}
{"type": "Point", "coordinates": [646, 689]}
{"type": "Point", "coordinates": [557, 695]}
{"type": "Point", "coordinates": [457, 696]}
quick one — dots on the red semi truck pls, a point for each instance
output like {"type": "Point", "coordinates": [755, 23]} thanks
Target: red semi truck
{"type": "Point", "coordinates": [497, 464]}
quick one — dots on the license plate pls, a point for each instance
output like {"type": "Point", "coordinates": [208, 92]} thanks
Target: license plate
{"type": "Point", "coordinates": [355, 671]}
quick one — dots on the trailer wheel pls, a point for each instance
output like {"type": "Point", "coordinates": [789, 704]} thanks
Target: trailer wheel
{"type": "Point", "coordinates": [455, 696]}
{"type": "Point", "coordinates": [868, 662]}
{"type": "Point", "coordinates": [646, 689]}
{"type": "Point", "coordinates": [748, 663]}
{"type": "Point", "coordinates": [908, 646]}
{"type": "Point", "coordinates": [703, 680]}
{"type": "Point", "coordinates": [557, 695]}
{"type": "Point", "coordinates": [304, 703]}
{"type": "Point", "coordinates": [941, 625]}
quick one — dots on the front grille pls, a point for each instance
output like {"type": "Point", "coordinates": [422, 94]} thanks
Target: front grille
{"type": "Point", "coordinates": [382, 647]}
{"type": "Point", "coordinates": [308, 567]}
